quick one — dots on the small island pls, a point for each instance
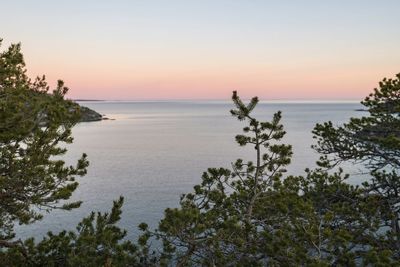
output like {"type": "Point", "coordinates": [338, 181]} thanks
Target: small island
{"type": "Point", "coordinates": [88, 115]}
{"type": "Point", "coordinates": [84, 114]}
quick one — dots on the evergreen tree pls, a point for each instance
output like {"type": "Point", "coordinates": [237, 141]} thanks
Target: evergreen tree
{"type": "Point", "coordinates": [251, 214]}
{"type": "Point", "coordinates": [35, 125]}
{"type": "Point", "coordinates": [373, 141]}
{"type": "Point", "coordinates": [97, 241]}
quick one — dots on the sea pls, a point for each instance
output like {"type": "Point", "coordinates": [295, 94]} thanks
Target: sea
{"type": "Point", "coordinates": [152, 152]}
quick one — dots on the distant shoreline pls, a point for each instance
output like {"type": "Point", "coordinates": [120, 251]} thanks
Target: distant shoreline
{"type": "Point", "coordinates": [216, 101]}
{"type": "Point", "coordinates": [88, 100]}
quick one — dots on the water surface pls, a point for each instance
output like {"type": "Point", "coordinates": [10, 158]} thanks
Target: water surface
{"type": "Point", "coordinates": [155, 151]}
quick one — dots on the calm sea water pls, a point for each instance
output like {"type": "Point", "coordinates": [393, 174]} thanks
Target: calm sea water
{"type": "Point", "coordinates": [152, 152]}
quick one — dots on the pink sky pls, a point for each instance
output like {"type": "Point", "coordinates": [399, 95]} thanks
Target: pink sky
{"type": "Point", "coordinates": [133, 50]}
{"type": "Point", "coordinates": [103, 80]}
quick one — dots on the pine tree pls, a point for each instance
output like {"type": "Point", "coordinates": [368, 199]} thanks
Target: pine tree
{"type": "Point", "coordinates": [33, 125]}
{"type": "Point", "coordinates": [227, 220]}
{"type": "Point", "coordinates": [251, 214]}
{"type": "Point", "coordinates": [97, 241]}
{"type": "Point", "coordinates": [374, 142]}
{"type": "Point", "coordinates": [254, 215]}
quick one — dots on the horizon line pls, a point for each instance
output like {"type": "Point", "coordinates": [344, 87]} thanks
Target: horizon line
{"type": "Point", "coordinates": [349, 100]}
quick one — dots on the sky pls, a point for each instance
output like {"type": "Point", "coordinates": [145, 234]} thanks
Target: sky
{"type": "Point", "coordinates": [204, 49]}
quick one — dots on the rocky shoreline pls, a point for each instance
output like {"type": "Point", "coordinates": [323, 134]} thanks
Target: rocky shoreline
{"type": "Point", "coordinates": [88, 115]}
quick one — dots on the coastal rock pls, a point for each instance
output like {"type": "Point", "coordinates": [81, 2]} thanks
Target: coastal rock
{"type": "Point", "coordinates": [88, 114]}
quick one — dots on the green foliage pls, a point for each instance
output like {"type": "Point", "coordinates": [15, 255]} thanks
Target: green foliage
{"type": "Point", "coordinates": [34, 125]}
{"type": "Point", "coordinates": [97, 241]}
{"type": "Point", "coordinates": [220, 222]}
{"type": "Point", "coordinates": [251, 214]}
{"type": "Point", "coordinates": [374, 141]}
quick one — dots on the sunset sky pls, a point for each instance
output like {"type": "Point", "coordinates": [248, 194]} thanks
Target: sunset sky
{"type": "Point", "coordinates": [204, 49]}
